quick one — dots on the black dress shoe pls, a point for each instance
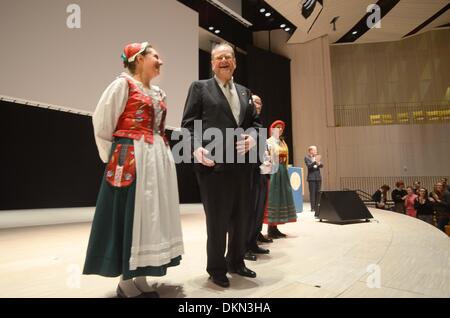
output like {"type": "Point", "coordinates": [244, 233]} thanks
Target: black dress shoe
{"type": "Point", "coordinates": [272, 234]}
{"type": "Point", "coordinates": [259, 250]}
{"type": "Point", "coordinates": [249, 256]}
{"type": "Point", "coordinates": [262, 239]}
{"type": "Point", "coordinates": [282, 235]}
{"type": "Point", "coordinates": [221, 281]}
{"type": "Point", "coordinates": [243, 271]}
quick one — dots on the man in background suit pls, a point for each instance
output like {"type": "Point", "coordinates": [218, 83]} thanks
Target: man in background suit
{"type": "Point", "coordinates": [225, 188]}
{"type": "Point", "coordinates": [314, 164]}
{"type": "Point", "coordinates": [259, 198]}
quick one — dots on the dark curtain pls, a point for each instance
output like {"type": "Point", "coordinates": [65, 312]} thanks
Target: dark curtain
{"type": "Point", "coordinates": [50, 160]}
{"type": "Point", "coordinates": [204, 65]}
{"type": "Point", "coordinates": [188, 189]}
{"type": "Point", "coordinates": [269, 77]}
{"type": "Point", "coordinates": [240, 74]}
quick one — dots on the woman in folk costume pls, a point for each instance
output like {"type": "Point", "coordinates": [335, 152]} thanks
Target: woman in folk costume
{"type": "Point", "coordinates": [280, 207]}
{"type": "Point", "coordinates": [136, 231]}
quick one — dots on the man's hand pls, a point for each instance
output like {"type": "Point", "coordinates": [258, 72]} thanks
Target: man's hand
{"type": "Point", "coordinates": [243, 146]}
{"type": "Point", "coordinates": [318, 159]}
{"type": "Point", "coordinates": [200, 154]}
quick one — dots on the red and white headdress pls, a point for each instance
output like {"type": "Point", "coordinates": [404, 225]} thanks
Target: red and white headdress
{"type": "Point", "coordinates": [276, 124]}
{"type": "Point", "coordinates": [132, 50]}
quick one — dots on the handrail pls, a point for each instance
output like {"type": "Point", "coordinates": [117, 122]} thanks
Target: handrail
{"type": "Point", "coordinates": [361, 193]}
{"type": "Point", "coordinates": [366, 197]}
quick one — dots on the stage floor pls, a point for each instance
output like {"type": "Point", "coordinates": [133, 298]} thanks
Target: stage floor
{"type": "Point", "coordinates": [404, 257]}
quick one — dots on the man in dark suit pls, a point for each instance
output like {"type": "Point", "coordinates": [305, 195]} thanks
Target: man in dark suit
{"type": "Point", "coordinates": [259, 197]}
{"type": "Point", "coordinates": [314, 164]}
{"type": "Point", "coordinates": [225, 187]}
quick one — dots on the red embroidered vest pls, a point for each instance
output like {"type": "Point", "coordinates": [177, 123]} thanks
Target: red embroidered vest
{"type": "Point", "coordinates": [138, 117]}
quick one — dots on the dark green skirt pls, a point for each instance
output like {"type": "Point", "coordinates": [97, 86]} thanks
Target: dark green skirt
{"type": "Point", "coordinates": [280, 205]}
{"type": "Point", "coordinates": [109, 247]}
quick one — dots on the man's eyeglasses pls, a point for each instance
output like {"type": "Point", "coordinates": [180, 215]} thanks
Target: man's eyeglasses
{"type": "Point", "coordinates": [221, 57]}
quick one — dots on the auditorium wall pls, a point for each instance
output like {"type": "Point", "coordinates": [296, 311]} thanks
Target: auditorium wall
{"type": "Point", "coordinates": [367, 151]}
{"type": "Point", "coordinates": [415, 69]}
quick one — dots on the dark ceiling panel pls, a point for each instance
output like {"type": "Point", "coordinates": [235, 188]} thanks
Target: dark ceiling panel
{"type": "Point", "coordinates": [429, 20]}
{"type": "Point", "coordinates": [361, 27]}
{"type": "Point", "coordinates": [212, 17]}
{"type": "Point", "coordinates": [251, 12]}
{"type": "Point", "coordinates": [444, 25]}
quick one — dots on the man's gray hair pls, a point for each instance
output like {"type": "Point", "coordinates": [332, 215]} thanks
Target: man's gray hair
{"type": "Point", "coordinates": [220, 45]}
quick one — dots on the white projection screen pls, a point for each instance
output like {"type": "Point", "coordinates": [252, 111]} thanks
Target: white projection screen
{"type": "Point", "coordinates": [45, 61]}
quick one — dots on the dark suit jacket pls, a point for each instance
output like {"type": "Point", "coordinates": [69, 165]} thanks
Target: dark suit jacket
{"type": "Point", "coordinates": [398, 194]}
{"type": "Point", "coordinates": [313, 173]}
{"type": "Point", "coordinates": [442, 208]}
{"type": "Point", "coordinates": [376, 197]}
{"type": "Point", "coordinates": [206, 102]}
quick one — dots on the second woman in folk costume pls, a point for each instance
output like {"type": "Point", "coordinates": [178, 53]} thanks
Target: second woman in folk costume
{"type": "Point", "coordinates": [136, 231]}
{"type": "Point", "coordinates": [280, 203]}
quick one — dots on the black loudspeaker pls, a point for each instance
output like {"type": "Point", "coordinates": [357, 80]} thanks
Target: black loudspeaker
{"type": "Point", "coordinates": [341, 206]}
